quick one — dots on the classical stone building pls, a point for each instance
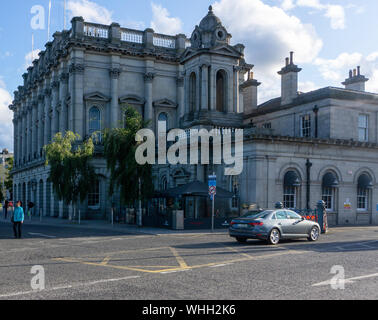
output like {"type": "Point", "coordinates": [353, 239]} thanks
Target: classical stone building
{"type": "Point", "coordinates": [298, 148]}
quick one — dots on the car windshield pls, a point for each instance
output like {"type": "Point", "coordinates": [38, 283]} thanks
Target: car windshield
{"type": "Point", "coordinates": [257, 214]}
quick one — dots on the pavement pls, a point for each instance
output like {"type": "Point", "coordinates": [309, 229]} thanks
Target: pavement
{"type": "Point", "coordinates": [105, 225]}
{"type": "Point", "coordinates": [84, 263]}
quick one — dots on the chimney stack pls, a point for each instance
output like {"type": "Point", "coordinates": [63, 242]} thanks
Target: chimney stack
{"type": "Point", "coordinates": [356, 81]}
{"type": "Point", "coordinates": [249, 89]}
{"type": "Point", "coordinates": [289, 80]}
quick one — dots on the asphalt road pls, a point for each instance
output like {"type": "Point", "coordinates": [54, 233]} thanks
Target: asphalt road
{"type": "Point", "coordinates": [86, 264]}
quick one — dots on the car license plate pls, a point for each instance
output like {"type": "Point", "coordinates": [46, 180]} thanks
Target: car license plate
{"type": "Point", "coordinates": [241, 225]}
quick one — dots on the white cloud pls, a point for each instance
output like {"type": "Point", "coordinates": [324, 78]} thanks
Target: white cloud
{"type": "Point", "coordinates": [90, 11]}
{"type": "Point", "coordinates": [268, 41]}
{"type": "Point", "coordinates": [6, 125]}
{"type": "Point", "coordinates": [336, 13]}
{"type": "Point", "coordinates": [337, 70]}
{"type": "Point", "coordinates": [162, 22]}
{"type": "Point", "coordinates": [30, 57]}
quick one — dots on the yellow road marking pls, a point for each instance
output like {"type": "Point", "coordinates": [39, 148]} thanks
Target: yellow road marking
{"type": "Point", "coordinates": [183, 265]}
{"type": "Point", "coordinates": [105, 261]}
{"type": "Point", "coordinates": [179, 259]}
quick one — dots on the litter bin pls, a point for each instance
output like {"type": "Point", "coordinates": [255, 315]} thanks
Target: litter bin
{"type": "Point", "coordinates": [178, 220]}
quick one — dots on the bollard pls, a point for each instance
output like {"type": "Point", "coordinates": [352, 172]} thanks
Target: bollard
{"type": "Point", "coordinates": [322, 216]}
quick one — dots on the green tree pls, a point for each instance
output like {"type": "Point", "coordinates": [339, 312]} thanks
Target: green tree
{"type": "Point", "coordinates": [125, 172]}
{"type": "Point", "coordinates": [71, 172]}
{"type": "Point", "coordinates": [9, 177]}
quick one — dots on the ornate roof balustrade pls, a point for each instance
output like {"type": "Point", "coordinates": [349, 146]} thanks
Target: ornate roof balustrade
{"type": "Point", "coordinates": [96, 31]}
{"type": "Point", "coordinates": [134, 36]}
{"type": "Point", "coordinates": [164, 41]}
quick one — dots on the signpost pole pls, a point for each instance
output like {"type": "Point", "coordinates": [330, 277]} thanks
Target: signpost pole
{"type": "Point", "coordinates": [212, 214]}
{"type": "Point", "coordinates": [212, 192]}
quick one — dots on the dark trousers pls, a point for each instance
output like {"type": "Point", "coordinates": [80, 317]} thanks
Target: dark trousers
{"type": "Point", "coordinates": [5, 213]}
{"type": "Point", "coordinates": [17, 229]}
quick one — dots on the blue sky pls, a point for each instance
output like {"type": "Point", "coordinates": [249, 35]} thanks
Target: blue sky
{"type": "Point", "coordinates": [329, 37]}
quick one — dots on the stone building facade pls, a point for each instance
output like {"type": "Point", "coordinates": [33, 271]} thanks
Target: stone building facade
{"type": "Point", "coordinates": [86, 75]}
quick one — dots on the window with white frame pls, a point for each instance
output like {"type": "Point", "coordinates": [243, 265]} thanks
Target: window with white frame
{"type": "Point", "coordinates": [363, 127]}
{"type": "Point", "coordinates": [95, 123]}
{"type": "Point", "coordinates": [328, 196]}
{"type": "Point", "coordinates": [305, 125]}
{"type": "Point", "coordinates": [362, 199]}
{"type": "Point", "coordinates": [94, 196]}
{"type": "Point", "coordinates": [290, 197]}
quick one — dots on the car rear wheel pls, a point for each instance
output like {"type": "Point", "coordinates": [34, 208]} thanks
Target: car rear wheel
{"type": "Point", "coordinates": [274, 237]}
{"type": "Point", "coordinates": [314, 234]}
{"type": "Point", "coordinates": [241, 240]}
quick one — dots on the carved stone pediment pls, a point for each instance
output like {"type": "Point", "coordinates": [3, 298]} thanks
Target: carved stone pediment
{"type": "Point", "coordinates": [132, 99]}
{"type": "Point", "coordinates": [96, 96]}
{"type": "Point", "coordinates": [165, 103]}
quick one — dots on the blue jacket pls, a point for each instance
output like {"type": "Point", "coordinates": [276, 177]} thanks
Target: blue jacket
{"type": "Point", "coordinates": [18, 215]}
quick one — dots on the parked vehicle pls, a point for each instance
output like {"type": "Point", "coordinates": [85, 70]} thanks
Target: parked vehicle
{"type": "Point", "coordinates": [272, 226]}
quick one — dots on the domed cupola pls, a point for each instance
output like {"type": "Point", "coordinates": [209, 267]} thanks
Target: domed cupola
{"type": "Point", "coordinates": [210, 32]}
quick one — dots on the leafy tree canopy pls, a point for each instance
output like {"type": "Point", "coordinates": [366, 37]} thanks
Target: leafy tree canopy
{"type": "Point", "coordinates": [71, 172]}
{"type": "Point", "coordinates": [125, 172]}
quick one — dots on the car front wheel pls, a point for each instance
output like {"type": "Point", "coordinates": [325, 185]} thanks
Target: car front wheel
{"type": "Point", "coordinates": [314, 234]}
{"type": "Point", "coordinates": [274, 236]}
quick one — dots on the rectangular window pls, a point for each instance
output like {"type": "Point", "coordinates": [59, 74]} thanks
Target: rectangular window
{"type": "Point", "coordinates": [267, 125]}
{"type": "Point", "coordinates": [363, 127]}
{"type": "Point", "coordinates": [362, 199]}
{"type": "Point", "coordinates": [328, 197]}
{"type": "Point", "coordinates": [289, 197]}
{"type": "Point", "coordinates": [94, 196]}
{"type": "Point", "coordinates": [306, 126]}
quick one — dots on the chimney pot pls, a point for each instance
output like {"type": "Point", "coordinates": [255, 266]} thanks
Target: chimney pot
{"type": "Point", "coordinates": [354, 72]}
{"type": "Point", "coordinates": [358, 70]}
{"type": "Point", "coordinates": [287, 61]}
{"type": "Point", "coordinates": [291, 57]}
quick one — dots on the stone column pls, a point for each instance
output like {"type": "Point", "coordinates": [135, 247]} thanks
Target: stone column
{"type": "Point", "coordinates": [63, 87]}
{"type": "Point", "coordinates": [15, 136]}
{"type": "Point", "coordinates": [205, 87]}
{"type": "Point", "coordinates": [180, 99]}
{"type": "Point", "coordinates": [47, 124]}
{"type": "Point", "coordinates": [148, 109]}
{"type": "Point", "coordinates": [41, 120]}
{"type": "Point", "coordinates": [114, 110]}
{"type": "Point", "coordinates": [54, 106]}
{"type": "Point", "coordinates": [29, 133]}
{"type": "Point", "coordinates": [77, 104]}
{"type": "Point", "coordinates": [25, 132]}
{"type": "Point", "coordinates": [35, 129]}
{"type": "Point", "coordinates": [213, 89]}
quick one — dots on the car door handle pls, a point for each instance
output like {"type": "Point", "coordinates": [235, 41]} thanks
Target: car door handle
{"type": "Point", "coordinates": [280, 224]}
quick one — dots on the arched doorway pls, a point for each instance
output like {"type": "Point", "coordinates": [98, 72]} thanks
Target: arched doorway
{"type": "Point", "coordinates": [221, 94]}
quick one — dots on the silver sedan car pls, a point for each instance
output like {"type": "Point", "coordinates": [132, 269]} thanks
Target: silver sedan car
{"type": "Point", "coordinates": [273, 225]}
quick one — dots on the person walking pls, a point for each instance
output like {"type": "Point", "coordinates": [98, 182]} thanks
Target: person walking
{"type": "Point", "coordinates": [6, 206]}
{"type": "Point", "coordinates": [18, 220]}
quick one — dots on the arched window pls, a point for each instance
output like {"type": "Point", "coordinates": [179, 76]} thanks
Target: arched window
{"type": "Point", "coordinates": [192, 92]}
{"type": "Point", "coordinates": [291, 190]}
{"type": "Point", "coordinates": [95, 122]}
{"type": "Point", "coordinates": [221, 91]}
{"type": "Point", "coordinates": [329, 185]}
{"type": "Point", "coordinates": [164, 183]}
{"type": "Point", "coordinates": [364, 186]}
{"type": "Point", "coordinates": [163, 119]}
